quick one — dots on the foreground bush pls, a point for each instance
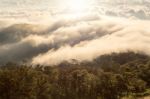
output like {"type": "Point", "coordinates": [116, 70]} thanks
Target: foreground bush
{"type": "Point", "coordinates": [108, 77]}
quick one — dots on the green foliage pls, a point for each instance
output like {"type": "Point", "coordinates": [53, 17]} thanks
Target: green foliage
{"type": "Point", "coordinates": [107, 77]}
{"type": "Point", "coordinates": [23, 83]}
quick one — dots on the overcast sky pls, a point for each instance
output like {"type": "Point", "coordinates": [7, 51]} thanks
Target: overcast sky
{"type": "Point", "coordinates": [39, 3]}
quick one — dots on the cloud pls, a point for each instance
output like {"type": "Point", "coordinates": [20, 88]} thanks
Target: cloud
{"type": "Point", "coordinates": [24, 41]}
{"type": "Point", "coordinates": [133, 36]}
{"type": "Point", "coordinates": [51, 38]}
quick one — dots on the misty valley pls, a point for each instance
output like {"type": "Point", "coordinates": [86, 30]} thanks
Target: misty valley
{"type": "Point", "coordinates": [74, 49]}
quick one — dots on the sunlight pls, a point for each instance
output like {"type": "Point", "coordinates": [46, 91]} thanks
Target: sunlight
{"type": "Point", "coordinates": [78, 5]}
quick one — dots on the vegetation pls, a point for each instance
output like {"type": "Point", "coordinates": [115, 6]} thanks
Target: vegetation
{"type": "Point", "coordinates": [107, 77]}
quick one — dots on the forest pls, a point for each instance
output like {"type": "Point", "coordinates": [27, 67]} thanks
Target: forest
{"type": "Point", "coordinates": [111, 76]}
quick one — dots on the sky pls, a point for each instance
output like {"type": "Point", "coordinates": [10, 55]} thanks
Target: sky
{"type": "Point", "coordinates": [49, 32]}
{"type": "Point", "coordinates": [26, 9]}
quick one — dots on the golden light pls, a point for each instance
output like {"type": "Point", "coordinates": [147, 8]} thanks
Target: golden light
{"type": "Point", "coordinates": [78, 5]}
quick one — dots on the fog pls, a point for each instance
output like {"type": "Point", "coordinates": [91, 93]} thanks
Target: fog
{"type": "Point", "coordinates": [49, 37]}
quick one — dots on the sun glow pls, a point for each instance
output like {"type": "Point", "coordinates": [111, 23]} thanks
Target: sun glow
{"type": "Point", "coordinates": [78, 5]}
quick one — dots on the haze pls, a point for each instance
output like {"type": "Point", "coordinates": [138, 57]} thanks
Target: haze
{"type": "Point", "coordinates": [61, 30]}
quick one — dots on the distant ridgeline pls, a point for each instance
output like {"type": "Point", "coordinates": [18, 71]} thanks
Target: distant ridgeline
{"type": "Point", "coordinates": [112, 76]}
{"type": "Point", "coordinates": [109, 60]}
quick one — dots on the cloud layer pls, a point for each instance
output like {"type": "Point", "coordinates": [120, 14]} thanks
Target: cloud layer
{"type": "Point", "coordinates": [83, 39]}
{"type": "Point", "coordinates": [51, 37]}
{"type": "Point", "coordinates": [107, 38]}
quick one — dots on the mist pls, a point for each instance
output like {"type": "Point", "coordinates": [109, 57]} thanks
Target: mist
{"type": "Point", "coordinates": [51, 36]}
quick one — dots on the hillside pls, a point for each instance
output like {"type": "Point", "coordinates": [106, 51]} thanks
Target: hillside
{"type": "Point", "coordinates": [111, 76]}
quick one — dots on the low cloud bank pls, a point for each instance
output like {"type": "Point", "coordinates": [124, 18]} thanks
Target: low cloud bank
{"type": "Point", "coordinates": [134, 36]}
{"type": "Point", "coordinates": [81, 38]}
